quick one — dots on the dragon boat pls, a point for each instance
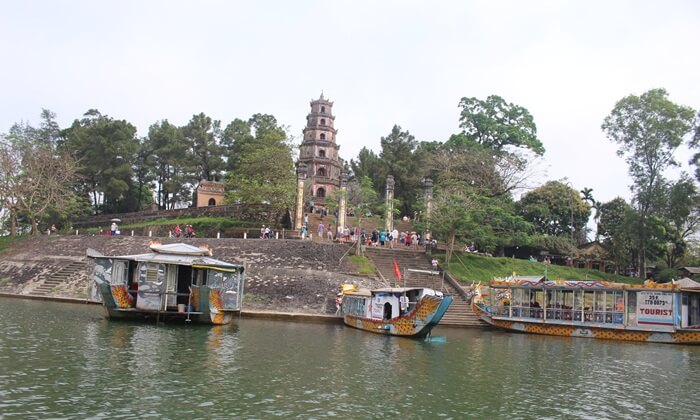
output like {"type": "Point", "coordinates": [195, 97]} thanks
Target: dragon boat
{"type": "Point", "coordinates": [398, 311]}
{"type": "Point", "coordinates": [174, 282]}
{"type": "Point", "coordinates": [651, 312]}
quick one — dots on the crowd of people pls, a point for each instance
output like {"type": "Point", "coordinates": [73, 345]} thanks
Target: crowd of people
{"type": "Point", "coordinates": [188, 232]}
{"type": "Point", "coordinates": [393, 238]}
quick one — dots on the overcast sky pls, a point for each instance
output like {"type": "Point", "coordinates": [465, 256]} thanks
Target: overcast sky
{"type": "Point", "coordinates": [381, 63]}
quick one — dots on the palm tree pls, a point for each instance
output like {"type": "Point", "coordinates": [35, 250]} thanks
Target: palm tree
{"type": "Point", "coordinates": [587, 195]}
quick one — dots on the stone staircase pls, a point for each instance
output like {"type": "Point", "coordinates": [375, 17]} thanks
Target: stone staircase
{"type": "Point", "coordinates": [49, 282]}
{"type": "Point", "coordinates": [416, 271]}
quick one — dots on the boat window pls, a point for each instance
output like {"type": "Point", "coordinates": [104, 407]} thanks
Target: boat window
{"type": "Point", "coordinates": [693, 309]}
{"type": "Point", "coordinates": [353, 305]}
{"type": "Point", "coordinates": [603, 306]}
{"type": "Point", "coordinates": [528, 303]}
{"type": "Point", "coordinates": [151, 272]}
{"type": "Point", "coordinates": [215, 279]}
{"type": "Point", "coordinates": [198, 278]}
{"type": "Point", "coordinates": [632, 309]}
{"type": "Point", "coordinates": [119, 270]}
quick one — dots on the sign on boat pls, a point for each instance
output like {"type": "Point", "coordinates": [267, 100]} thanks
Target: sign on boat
{"type": "Point", "coordinates": [175, 282]}
{"type": "Point", "coordinates": [663, 313]}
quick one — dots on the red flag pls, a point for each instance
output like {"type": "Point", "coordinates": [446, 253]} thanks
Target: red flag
{"type": "Point", "coordinates": [397, 271]}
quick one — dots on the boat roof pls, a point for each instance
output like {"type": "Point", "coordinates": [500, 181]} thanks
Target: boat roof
{"type": "Point", "coordinates": [180, 249]}
{"type": "Point", "coordinates": [368, 292]}
{"type": "Point", "coordinates": [581, 284]}
{"type": "Point", "coordinates": [687, 283]}
{"type": "Point", "coordinates": [176, 254]}
{"type": "Point", "coordinates": [398, 289]}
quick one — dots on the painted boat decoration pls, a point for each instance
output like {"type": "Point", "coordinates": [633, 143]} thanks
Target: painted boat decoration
{"type": "Point", "coordinates": [174, 282]}
{"type": "Point", "coordinates": [661, 313]}
{"type": "Point", "coordinates": [400, 311]}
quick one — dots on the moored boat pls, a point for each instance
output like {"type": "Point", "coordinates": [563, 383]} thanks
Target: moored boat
{"type": "Point", "coordinates": [175, 282]}
{"type": "Point", "coordinates": [663, 313]}
{"type": "Point", "coordinates": [400, 311]}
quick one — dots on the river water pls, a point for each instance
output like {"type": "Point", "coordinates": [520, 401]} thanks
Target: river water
{"type": "Point", "coordinates": [65, 361]}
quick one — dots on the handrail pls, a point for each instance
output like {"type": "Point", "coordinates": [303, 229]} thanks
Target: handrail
{"type": "Point", "coordinates": [455, 284]}
{"type": "Point", "coordinates": [381, 276]}
{"type": "Point", "coordinates": [352, 245]}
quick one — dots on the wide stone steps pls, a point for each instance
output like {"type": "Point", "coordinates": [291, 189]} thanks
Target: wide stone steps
{"type": "Point", "coordinates": [459, 314]}
{"type": "Point", "coordinates": [51, 281]}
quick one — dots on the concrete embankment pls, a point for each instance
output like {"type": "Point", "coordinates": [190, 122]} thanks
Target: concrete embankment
{"type": "Point", "coordinates": [285, 278]}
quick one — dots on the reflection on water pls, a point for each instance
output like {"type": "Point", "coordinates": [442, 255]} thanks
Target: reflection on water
{"type": "Point", "coordinates": [62, 360]}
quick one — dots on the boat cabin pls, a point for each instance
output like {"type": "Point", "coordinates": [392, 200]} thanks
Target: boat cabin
{"type": "Point", "coordinates": [179, 278]}
{"type": "Point", "coordinates": [661, 307]}
{"type": "Point", "coordinates": [386, 303]}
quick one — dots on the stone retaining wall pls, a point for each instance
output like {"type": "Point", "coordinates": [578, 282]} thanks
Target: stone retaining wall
{"type": "Point", "coordinates": [282, 275]}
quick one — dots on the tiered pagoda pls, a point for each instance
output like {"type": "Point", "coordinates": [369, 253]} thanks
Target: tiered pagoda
{"type": "Point", "coordinates": [319, 153]}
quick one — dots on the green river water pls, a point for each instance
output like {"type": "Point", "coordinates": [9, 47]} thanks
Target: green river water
{"type": "Point", "coordinates": [66, 361]}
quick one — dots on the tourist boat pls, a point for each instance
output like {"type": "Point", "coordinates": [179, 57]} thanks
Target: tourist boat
{"type": "Point", "coordinates": [400, 311]}
{"type": "Point", "coordinates": [662, 313]}
{"type": "Point", "coordinates": [175, 282]}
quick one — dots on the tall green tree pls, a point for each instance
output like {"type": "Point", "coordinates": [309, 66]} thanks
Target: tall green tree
{"type": "Point", "coordinates": [499, 125]}
{"type": "Point", "coordinates": [616, 228]}
{"type": "Point", "coordinates": [648, 130]}
{"type": "Point", "coordinates": [203, 139]}
{"type": "Point", "coordinates": [681, 218]}
{"type": "Point", "coordinates": [453, 203]}
{"type": "Point", "coordinates": [556, 209]}
{"type": "Point", "coordinates": [105, 147]}
{"type": "Point", "coordinates": [398, 160]}
{"type": "Point", "coordinates": [264, 170]}
{"type": "Point", "coordinates": [169, 163]}
{"type": "Point", "coordinates": [587, 195]}
{"type": "Point", "coordinates": [368, 164]}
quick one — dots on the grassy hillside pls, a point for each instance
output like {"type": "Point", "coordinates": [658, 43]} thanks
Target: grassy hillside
{"type": "Point", "coordinates": [473, 268]}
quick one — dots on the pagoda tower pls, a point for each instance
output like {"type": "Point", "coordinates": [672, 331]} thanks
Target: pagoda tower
{"type": "Point", "coordinates": [319, 152]}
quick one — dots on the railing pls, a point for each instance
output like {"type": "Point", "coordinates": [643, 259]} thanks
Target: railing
{"type": "Point", "coordinates": [352, 245]}
{"type": "Point", "coordinates": [246, 212]}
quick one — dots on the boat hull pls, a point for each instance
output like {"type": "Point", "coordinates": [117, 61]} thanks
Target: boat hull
{"type": "Point", "coordinates": [118, 305]}
{"type": "Point", "coordinates": [587, 331]}
{"type": "Point", "coordinates": [416, 324]}
{"type": "Point", "coordinates": [133, 314]}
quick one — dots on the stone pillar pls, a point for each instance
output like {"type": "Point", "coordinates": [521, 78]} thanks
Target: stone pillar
{"type": "Point", "coordinates": [342, 206]}
{"type": "Point", "coordinates": [428, 198]}
{"type": "Point", "coordinates": [389, 216]}
{"type": "Point", "coordinates": [299, 211]}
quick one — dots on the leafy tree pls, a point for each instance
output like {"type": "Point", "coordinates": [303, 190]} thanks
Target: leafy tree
{"type": "Point", "coordinates": [368, 164]}
{"type": "Point", "coordinates": [682, 219]}
{"type": "Point", "coordinates": [169, 162]}
{"type": "Point", "coordinates": [694, 145]}
{"type": "Point", "coordinates": [235, 135]}
{"type": "Point", "coordinates": [144, 176]}
{"type": "Point", "coordinates": [264, 169]}
{"type": "Point", "coordinates": [499, 125]}
{"type": "Point", "coordinates": [363, 199]}
{"type": "Point", "coordinates": [556, 209]}
{"type": "Point", "coordinates": [34, 176]}
{"type": "Point", "coordinates": [105, 148]}
{"type": "Point", "coordinates": [648, 130]}
{"type": "Point", "coordinates": [451, 215]}
{"type": "Point", "coordinates": [202, 135]}
{"type": "Point", "coordinates": [616, 227]}
{"type": "Point", "coordinates": [398, 160]}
